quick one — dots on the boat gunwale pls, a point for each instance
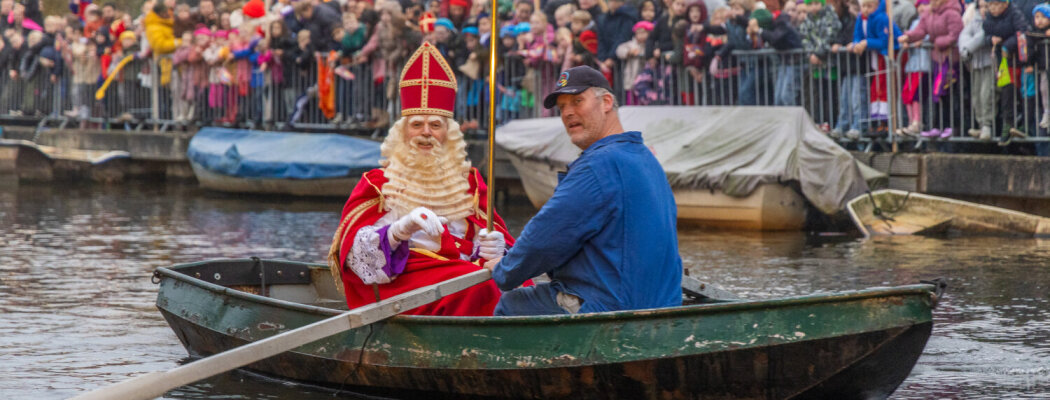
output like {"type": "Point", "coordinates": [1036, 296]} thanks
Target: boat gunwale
{"type": "Point", "coordinates": [921, 289]}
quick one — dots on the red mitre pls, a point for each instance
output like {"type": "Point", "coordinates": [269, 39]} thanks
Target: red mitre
{"type": "Point", "coordinates": [426, 22]}
{"type": "Point", "coordinates": [428, 85]}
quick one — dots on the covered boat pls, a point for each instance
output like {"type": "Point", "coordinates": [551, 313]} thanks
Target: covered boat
{"type": "Point", "coordinates": [300, 164]}
{"type": "Point", "coordinates": [849, 345]}
{"type": "Point", "coordinates": [732, 167]}
{"type": "Point", "coordinates": [897, 212]}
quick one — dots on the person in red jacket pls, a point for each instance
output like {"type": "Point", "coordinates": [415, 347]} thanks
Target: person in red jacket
{"type": "Point", "coordinates": [419, 220]}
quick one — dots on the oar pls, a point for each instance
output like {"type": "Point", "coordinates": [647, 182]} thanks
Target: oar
{"type": "Point", "coordinates": [155, 384]}
{"type": "Point", "coordinates": [701, 290]}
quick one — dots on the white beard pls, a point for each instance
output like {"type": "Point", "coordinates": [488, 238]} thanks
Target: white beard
{"type": "Point", "coordinates": [436, 180]}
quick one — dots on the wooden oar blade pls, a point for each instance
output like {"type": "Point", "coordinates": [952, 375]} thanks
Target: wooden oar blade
{"type": "Point", "coordinates": [155, 384]}
{"type": "Point", "coordinates": [701, 290]}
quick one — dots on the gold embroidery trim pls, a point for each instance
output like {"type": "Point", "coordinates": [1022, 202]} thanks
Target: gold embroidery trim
{"type": "Point", "coordinates": [340, 235]}
{"type": "Point", "coordinates": [428, 253]}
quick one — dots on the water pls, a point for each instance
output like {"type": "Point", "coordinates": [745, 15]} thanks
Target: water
{"type": "Point", "coordinates": [76, 302]}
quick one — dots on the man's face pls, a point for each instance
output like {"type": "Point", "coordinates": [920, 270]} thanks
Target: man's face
{"type": "Point", "coordinates": [424, 131]}
{"type": "Point", "coordinates": [108, 13]}
{"type": "Point", "coordinates": [456, 11]}
{"type": "Point", "coordinates": [583, 116]}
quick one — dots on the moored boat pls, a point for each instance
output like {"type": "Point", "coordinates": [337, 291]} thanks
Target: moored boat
{"type": "Point", "coordinates": [298, 164]}
{"type": "Point", "coordinates": [897, 212]}
{"type": "Point", "coordinates": [859, 344]}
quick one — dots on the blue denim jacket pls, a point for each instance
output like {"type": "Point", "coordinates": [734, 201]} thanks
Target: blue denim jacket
{"type": "Point", "coordinates": [607, 235]}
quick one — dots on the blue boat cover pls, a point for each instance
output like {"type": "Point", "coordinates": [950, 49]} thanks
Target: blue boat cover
{"type": "Point", "coordinates": [284, 155]}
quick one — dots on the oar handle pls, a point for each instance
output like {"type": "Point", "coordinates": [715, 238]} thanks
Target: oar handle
{"type": "Point", "coordinates": [155, 384]}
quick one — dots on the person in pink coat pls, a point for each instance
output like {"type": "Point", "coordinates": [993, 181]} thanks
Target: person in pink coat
{"type": "Point", "coordinates": [942, 25]}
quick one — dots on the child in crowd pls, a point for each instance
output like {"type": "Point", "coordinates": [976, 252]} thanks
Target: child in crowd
{"type": "Point", "coordinates": [941, 22]}
{"type": "Point", "coordinates": [563, 15]}
{"type": "Point", "coordinates": [977, 53]}
{"type": "Point", "coordinates": [648, 11]}
{"type": "Point", "coordinates": [1039, 57]}
{"type": "Point", "coordinates": [780, 34]}
{"type": "Point", "coordinates": [915, 70]}
{"type": "Point", "coordinates": [632, 53]}
{"type": "Point", "coordinates": [1001, 26]}
{"type": "Point", "coordinates": [852, 68]}
{"type": "Point", "coordinates": [871, 37]}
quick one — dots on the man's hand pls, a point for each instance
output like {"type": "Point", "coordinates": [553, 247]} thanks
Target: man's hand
{"type": "Point", "coordinates": [813, 59]}
{"type": "Point", "coordinates": [420, 219]}
{"type": "Point", "coordinates": [491, 264]}
{"type": "Point", "coordinates": [491, 244]}
{"type": "Point", "coordinates": [996, 40]}
{"type": "Point", "coordinates": [903, 39]}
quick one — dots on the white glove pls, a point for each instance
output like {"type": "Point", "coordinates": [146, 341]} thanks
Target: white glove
{"type": "Point", "coordinates": [420, 219]}
{"type": "Point", "coordinates": [491, 244]}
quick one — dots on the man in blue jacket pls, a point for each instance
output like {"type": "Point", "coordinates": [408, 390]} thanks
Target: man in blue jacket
{"type": "Point", "coordinates": [607, 237]}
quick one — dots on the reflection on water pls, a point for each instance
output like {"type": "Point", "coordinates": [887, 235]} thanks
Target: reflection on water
{"type": "Point", "coordinates": [76, 302]}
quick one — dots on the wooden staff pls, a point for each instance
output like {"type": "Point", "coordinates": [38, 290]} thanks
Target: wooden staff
{"type": "Point", "coordinates": [493, 39]}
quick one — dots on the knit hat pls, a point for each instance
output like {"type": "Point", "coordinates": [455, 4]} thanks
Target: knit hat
{"type": "Point", "coordinates": [508, 31]}
{"type": "Point", "coordinates": [202, 30]}
{"type": "Point", "coordinates": [461, 3]}
{"type": "Point", "coordinates": [1042, 9]}
{"type": "Point", "coordinates": [471, 30]}
{"type": "Point", "coordinates": [522, 27]}
{"type": "Point", "coordinates": [998, 1]}
{"type": "Point", "coordinates": [221, 34]}
{"type": "Point", "coordinates": [822, 2]}
{"type": "Point", "coordinates": [445, 22]}
{"type": "Point", "coordinates": [127, 35]}
{"type": "Point", "coordinates": [921, 2]}
{"type": "Point", "coordinates": [643, 25]}
{"type": "Point", "coordinates": [589, 40]}
{"type": "Point", "coordinates": [254, 9]}
{"type": "Point", "coordinates": [764, 18]}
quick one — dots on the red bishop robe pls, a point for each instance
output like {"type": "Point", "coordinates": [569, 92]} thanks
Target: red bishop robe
{"type": "Point", "coordinates": [424, 267]}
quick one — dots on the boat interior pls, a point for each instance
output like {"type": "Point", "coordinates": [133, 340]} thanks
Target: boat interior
{"type": "Point", "coordinates": [312, 284]}
{"type": "Point", "coordinates": [895, 212]}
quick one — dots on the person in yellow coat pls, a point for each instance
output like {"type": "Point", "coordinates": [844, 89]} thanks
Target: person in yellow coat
{"type": "Point", "coordinates": [160, 33]}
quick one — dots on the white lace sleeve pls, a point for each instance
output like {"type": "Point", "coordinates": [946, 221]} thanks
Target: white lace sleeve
{"type": "Point", "coordinates": [366, 258]}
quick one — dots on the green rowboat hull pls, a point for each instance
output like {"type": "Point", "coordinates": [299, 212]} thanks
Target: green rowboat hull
{"type": "Point", "coordinates": [859, 344]}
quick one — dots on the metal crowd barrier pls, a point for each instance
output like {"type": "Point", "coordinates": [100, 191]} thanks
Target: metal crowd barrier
{"type": "Point", "coordinates": [836, 91]}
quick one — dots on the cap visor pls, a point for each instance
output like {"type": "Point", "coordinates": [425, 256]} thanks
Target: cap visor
{"type": "Point", "coordinates": [552, 99]}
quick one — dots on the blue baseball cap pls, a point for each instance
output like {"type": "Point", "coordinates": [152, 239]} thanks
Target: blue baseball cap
{"type": "Point", "coordinates": [575, 80]}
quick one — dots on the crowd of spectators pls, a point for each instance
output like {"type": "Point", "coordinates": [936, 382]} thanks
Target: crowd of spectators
{"type": "Point", "coordinates": [234, 61]}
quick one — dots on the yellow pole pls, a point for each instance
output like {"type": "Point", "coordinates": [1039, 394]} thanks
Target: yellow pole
{"type": "Point", "coordinates": [493, 39]}
{"type": "Point", "coordinates": [891, 81]}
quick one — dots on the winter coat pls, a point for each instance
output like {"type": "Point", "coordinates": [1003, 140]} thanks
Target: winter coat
{"type": "Point", "coordinates": [851, 64]}
{"type": "Point", "coordinates": [943, 26]}
{"type": "Point", "coordinates": [1038, 50]}
{"type": "Point", "coordinates": [877, 27]}
{"type": "Point", "coordinates": [904, 12]}
{"type": "Point", "coordinates": [320, 25]}
{"type": "Point", "coordinates": [1005, 26]}
{"type": "Point", "coordinates": [160, 33]}
{"type": "Point", "coordinates": [632, 65]}
{"type": "Point", "coordinates": [660, 37]}
{"type": "Point", "coordinates": [783, 36]}
{"type": "Point", "coordinates": [614, 28]}
{"type": "Point", "coordinates": [819, 31]}
{"type": "Point", "coordinates": [972, 46]}
{"type": "Point", "coordinates": [1026, 7]}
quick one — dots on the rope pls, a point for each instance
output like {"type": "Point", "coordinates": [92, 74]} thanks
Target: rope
{"type": "Point", "coordinates": [881, 214]}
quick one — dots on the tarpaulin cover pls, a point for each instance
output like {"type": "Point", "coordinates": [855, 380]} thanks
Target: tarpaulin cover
{"type": "Point", "coordinates": [259, 154]}
{"type": "Point", "coordinates": [732, 149]}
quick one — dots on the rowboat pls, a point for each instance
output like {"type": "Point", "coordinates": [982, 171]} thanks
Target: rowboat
{"type": "Point", "coordinates": [897, 212]}
{"type": "Point", "coordinates": [284, 163]}
{"type": "Point", "coordinates": [858, 344]}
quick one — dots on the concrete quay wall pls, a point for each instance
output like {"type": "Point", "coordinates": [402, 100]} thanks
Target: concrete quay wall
{"type": "Point", "coordinates": [1020, 183]}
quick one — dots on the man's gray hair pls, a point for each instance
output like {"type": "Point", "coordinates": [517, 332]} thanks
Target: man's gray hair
{"type": "Point", "coordinates": [600, 92]}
